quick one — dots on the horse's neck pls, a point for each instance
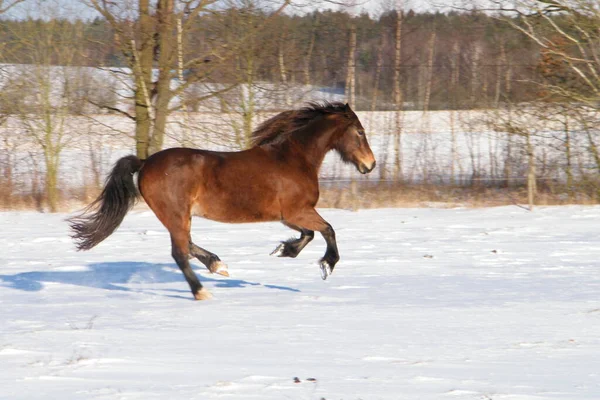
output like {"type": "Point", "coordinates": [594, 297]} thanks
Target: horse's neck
{"type": "Point", "coordinates": [315, 141]}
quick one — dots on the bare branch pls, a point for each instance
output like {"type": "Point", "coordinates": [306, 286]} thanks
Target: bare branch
{"type": "Point", "coordinates": [4, 7]}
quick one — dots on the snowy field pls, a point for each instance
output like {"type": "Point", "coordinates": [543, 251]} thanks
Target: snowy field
{"type": "Point", "coordinates": [483, 304]}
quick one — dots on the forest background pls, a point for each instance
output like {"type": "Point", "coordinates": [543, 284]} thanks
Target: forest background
{"type": "Point", "coordinates": [470, 106]}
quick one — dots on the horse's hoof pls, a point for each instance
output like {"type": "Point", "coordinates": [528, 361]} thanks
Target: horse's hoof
{"type": "Point", "coordinates": [202, 294]}
{"type": "Point", "coordinates": [326, 269]}
{"type": "Point", "coordinates": [220, 268]}
{"type": "Point", "coordinates": [278, 250]}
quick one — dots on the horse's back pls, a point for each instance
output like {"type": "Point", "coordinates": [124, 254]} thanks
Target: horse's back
{"type": "Point", "coordinates": [165, 170]}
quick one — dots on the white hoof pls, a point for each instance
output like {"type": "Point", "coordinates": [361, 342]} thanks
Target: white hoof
{"type": "Point", "coordinates": [203, 294]}
{"type": "Point", "coordinates": [220, 268]}
{"type": "Point", "coordinates": [325, 269]}
{"type": "Point", "coordinates": [278, 250]}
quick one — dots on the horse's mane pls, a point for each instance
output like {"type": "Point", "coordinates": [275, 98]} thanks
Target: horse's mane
{"type": "Point", "coordinates": [276, 129]}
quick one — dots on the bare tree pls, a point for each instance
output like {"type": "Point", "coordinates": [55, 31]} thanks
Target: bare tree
{"type": "Point", "coordinates": [475, 73]}
{"type": "Point", "coordinates": [568, 71]}
{"type": "Point", "coordinates": [566, 31]}
{"type": "Point", "coordinates": [282, 68]}
{"type": "Point", "coordinates": [6, 160]}
{"type": "Point", "coordinates": [351, 69]}
{"type": "Point", "coordinates": [7, 5]}
{"type": "Point", "coordinates": [147, 35]}
{"type": "Point", "coordinates": [520, 123]}
{"type": "Point", "coordinates": [43, 94]}
{"type": "Point", "coordinates": [397, 93]}
{"type": "Point", "coordinates": [429, 82]}
{"type": "Point", "coordinates": [309, 50]}
{"type": "Point", "coordinates": [454, 79]}
{"type": "Point", "coordinates": [251, 29]}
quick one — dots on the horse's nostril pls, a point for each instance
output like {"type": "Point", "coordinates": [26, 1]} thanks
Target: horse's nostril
{"type": "Point", "coordinates": [365, 169]}
{"type": "Point", "coordinates": [368, 169]}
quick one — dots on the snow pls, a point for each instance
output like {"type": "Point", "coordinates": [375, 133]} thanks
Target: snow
{"type": "Point", "coordinates": [495, 303]}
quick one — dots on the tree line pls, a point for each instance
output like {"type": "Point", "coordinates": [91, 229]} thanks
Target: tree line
{"type": "Point", "coordinates": [455, 60]}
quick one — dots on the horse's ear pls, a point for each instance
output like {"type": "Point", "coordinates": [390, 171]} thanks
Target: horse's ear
{"type": "Point", "coordinates": [347, 109]}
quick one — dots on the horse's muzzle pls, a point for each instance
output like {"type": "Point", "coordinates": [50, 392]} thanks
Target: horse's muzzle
{"type": "Point", "coordinates": [364, 169]}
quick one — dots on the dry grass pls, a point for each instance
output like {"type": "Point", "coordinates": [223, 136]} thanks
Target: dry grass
{"type": "Point", "coordinates": [371, 195]}
{"type": "Point", "coordinates": [384, 195]}
{"type": "Point", "coordinates": [9, 200]}
{"type": "Point", "coordinates": [70, 199]}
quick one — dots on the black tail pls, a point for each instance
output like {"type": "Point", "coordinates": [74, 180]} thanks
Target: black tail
{"type": "Point", "coordinates": [98, 220]}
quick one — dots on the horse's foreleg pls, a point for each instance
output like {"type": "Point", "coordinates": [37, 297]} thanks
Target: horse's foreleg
{"type": "Point", "coordinates": [332, 255]}
{"type": "Point", "coordinates": [293, 247]}
{"type": "Point", "coordinates": [212, 262]}
{"type": "Point", "coordinates": [311, 220]}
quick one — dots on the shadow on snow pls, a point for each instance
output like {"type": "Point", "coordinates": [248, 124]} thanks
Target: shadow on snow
{"type": "Point", "coordinates": [117, 275]}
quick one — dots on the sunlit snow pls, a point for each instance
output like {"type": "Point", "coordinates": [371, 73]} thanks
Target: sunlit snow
{"type": "Point", "coordinates": [496, 303]}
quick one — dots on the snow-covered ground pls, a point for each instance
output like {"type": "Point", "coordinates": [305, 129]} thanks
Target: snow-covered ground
{"type": "Point", "coordinates": [495, 303]}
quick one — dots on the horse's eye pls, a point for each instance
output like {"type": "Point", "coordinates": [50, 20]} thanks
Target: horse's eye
{"type": "Point", "coordinates": [361, 132]}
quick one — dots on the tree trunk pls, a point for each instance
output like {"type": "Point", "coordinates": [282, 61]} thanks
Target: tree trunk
{"type": "Point", "coordinates": [309, 51]}
{"type": "Point", "coordinates": [249, 105]}
{"type": "Point", "coordinates": [569, 162]}
{"type": "Point", "coordinates": [378, 68]}
{"type": "Point", "coordinates": [351, 76]}
{"type": "Point", "coordinates": [96, 160]}
{"type": "Point", "coordinates": [531, 183]}
{"type": "Point", "coordinates": [454, 151]}
{"type": "Point", "coordinates": [52, 197]}
{"type": "Point", "coordinates": [421, 79]}
{"type": "Point", "coordinates": [429, 71]}
{"type": "Point", "coordinates": [500, 62]}
{"type": "Point", "coordinates": [142, 67]}
{"type": "Point", "coordinates": [283, 72]}
{"type": "Point", "coordinates": [475, 73]}
{"type": "Point", "coordinates": [593, 148]}
{"type": "Point", "coordinates": [507, 80]}
{"type": "Point", "coordinates": [185, 132]}
{"type": "Point", "coordinates": [165, 65]}
{"type": "Point", "coordinates": [374, 99]}
{"type": "Point", "coordinates": [508, 162]}
{"type": "Point", "coordinates": [398, 100]}
{"type": "Point", "coordinates": [454, 77]}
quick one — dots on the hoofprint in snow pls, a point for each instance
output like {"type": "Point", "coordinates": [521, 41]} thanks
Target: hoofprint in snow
{"type": "Point", "coordinates": [495, 303]}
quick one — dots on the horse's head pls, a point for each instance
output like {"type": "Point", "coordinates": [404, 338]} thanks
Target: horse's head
{"type": "Point", "coordinates": [352, 144]}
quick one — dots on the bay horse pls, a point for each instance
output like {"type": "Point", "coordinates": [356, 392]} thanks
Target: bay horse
{"type": "Point", "coordinates": [276, 179]}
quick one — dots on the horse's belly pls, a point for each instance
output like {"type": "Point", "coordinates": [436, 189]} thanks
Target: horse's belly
{"type": "Point", "coordinates": [236, 210]}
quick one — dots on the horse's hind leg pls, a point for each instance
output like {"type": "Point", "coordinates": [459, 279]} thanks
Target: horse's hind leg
{"type": "Point", "coordinates": [180, 250]}
{"type": "Point", "coordinates": [293, 247]}
{"type": "Point", "coordinates": [178, 224]}
{"type": "Point", "coordinates": [212, 262]}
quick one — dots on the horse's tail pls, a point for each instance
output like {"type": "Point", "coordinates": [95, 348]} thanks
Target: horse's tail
{"type": "Point", "coordinates": [98, 220]}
